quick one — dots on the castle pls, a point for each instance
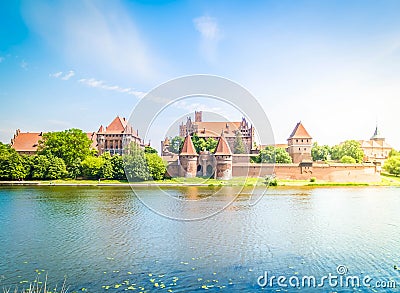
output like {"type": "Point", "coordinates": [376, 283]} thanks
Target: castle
{"type": "Point", "coordinates": [111, 139]}
{"type": "Point", "coordinates": [213, 130]}
{"type": "Point", "coordinates": [223, 164]}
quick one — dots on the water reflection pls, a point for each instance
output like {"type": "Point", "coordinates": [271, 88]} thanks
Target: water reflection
{"type": "Point", "coordinates": [105, 236]}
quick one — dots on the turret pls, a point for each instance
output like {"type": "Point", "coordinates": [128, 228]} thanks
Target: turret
{"type": "Point", "coordinates": [223, 157]}
{"type": "Point", "coordinates": [188, 159]}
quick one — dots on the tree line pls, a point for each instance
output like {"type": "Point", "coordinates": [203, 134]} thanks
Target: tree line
{"type": "Point", "coordinates": [68, 154]}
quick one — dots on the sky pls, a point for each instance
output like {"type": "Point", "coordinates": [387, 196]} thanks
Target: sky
{"type": "Point", "coordinates": [334, 65]}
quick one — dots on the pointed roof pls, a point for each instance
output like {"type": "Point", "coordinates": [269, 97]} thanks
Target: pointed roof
{"type": "Point", "coordinates": [188, 147]}
{"type": "Point", "coordinates": [222, 147]}
{"type": "Point", "coordinates": [117, 125]}
{"type": "Point", "coordinates": [101, 129]}
{"type": "Point", "coordinates": [299, 132]}
{"type": "Point", "coordinates": [377, 134]}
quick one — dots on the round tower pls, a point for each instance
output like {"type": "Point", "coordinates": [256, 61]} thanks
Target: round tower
{"type": "Point", "coordinates": [188, 159]}
{"type": "Point", "coordinates": [223, 157]}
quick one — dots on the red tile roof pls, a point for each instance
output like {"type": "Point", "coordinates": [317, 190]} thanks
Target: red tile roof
{"type": "Point", "coordinates": [117, 125]}
{"type": "Point", "coordinates": [188, 147]}
{"type": "Point", "coordinates": [299, 132]}
{"type": "Point", "coordinates": [222, 147]}
{"type": "Point", "coordinates": [213, 129]}
{"type": "Point", "coordinates": [26, 141]}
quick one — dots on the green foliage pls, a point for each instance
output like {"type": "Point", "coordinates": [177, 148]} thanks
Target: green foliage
{"type": "Point", "coordinates": [394, 153]}
{"type": "Point", "coordinates": [156, 166]}
{"type": "Point", "coordinates": [70, 145]}
{"type": "Point", "coordinates": [271, 154]}
{"type": "Point", "coordinates": [313, 179]}
{"type": "Point", "coordinates": [392, 165]}
{"type": "Point", "coordinates": [320, 153]}
{"type": "Point", "coordinates": [36, 167]}
{"type": "Point", "coordinates": [12, 165]}
{"type": "Point", "coordinates": [117, 164]}
{"type": "Point", "coordinates": [75, 169]}
{"type": "Point", "coordinates": [150, 150]}
{"type": "Point", "coordinates": [106, 170]}
{"type": "Point", "coordinates": [271, 181]}
{"type": "Point", "coordinates": [336, 152]}
{"type": "Point", "coordinates": [56, 169]}
{"type": "Point", "coordinates": [347, 160]}
{"type": "Point", "coordinates": [92, 166]}
{"type": "Point", "coordinates": [239, 147]}
{"type": "Point", "coordinates": [351, 148]}
{"type": "Point", "coordinates": [135, 163]}
{"type": "Point", "coordinates": [211, 144]}
{"type": "Point", "coordinates": [176, 144]}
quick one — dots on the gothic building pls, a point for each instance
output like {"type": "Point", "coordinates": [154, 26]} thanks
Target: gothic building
{"type": "Point", "coordinates": [116, 136]}
{"type": "Point", "coordinates": [111, 139]}
{"type": "Point", "coordinates": [213, 129]}
{"type": "Point", "coordinates": [217, 165]}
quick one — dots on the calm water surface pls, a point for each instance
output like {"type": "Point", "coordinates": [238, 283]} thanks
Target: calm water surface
{"type": "Point", "coordinates": [105, 240]}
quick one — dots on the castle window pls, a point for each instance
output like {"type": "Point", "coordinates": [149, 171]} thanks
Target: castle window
{"type": "Point", "coordinates": [301, 140]}
{"type": "Point", "coordinates": [307, 140]}
{"type": "Point", "coordinates": [297, 140]}
{"type": "Point", "coordinates": [304, 148]}
{"type": "Point", "coordinates": [299, 149]}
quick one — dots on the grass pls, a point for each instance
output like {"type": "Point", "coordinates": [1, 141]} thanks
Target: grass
{"type": "Point", "coordinates": [37, 287]}
{"type": "Point", "coordinates": [386, 180]}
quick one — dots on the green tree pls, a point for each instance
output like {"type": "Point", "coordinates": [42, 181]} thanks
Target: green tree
{"type": "Point", "coordinates": [271, 154]}
{"type": "Point", "coordinates": [176, 144]}
{"type": "Point", "coordinates": [336, 152]}
{"type": "Point", "coordinates": [392, 165]}
{"type": "Point", "coordinates": [156, 166]}
{"type": "Point", "coordinates": [394, 153]}
{"type": "Point", "coordinates": [75, 169]}
{"type": "Point", "coordinates": [118, 167]}
{"type": "Point", "coordinates": [320, 153]}
{"type": "Point", "coordinates": [135, 163]}
{"type": "Point", "coordinates": [350, 148]}
{"type": "Point", "coordinates": [39, 168]}
{"type": "Point", "coordinates": [347, 160]}
{"type": "Point", "coordinates": [70, 145]}
{"type": "Point", "coordinates": [239, 147]}
{"type": "Point", "coordinates": [56, 169]}
{"type": "Point", "coordinates": [91, 167]}
{"type": "Point", "coordinates": [149, 150]}
{"type": "Point", "coordinates": [211, 144]}
{"type": "Point", "coordinates": [106, 170]}
{"type": "Point", "coordinates": [12, 165]}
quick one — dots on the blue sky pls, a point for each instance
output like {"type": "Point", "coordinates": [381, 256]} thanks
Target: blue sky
{"type": "Point", "coordinates": [334, 65]}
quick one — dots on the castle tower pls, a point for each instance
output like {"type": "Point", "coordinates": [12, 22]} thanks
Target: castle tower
{"type": "Point", "coordinates": [223, 156]}
{"type": "Point", "coordinates": [299, 144]}
{"type": "Point", "coordinates": [188, 158]}
{"type": "Point", "coordinates": [198, 116]}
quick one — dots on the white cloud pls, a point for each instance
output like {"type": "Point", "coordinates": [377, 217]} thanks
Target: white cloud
{"type": "Point", "coordinates": [67, 76]}
{"type": "Point", "coordinates": [208, 27]}
{"type": "Point", "coordinates": [100, 36]}
{"type": "Point", "coordinates": [60, 75]}
{"type": "Point", "coordinates": [92, 82]}
{"type": "Point", "coordinates": [210, 36]}
{"type": "Point", "coordinates": [56, 75]}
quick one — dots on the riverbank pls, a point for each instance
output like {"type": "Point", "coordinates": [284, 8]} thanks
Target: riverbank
{"type": "Point", "coordinates": [386, 180]}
